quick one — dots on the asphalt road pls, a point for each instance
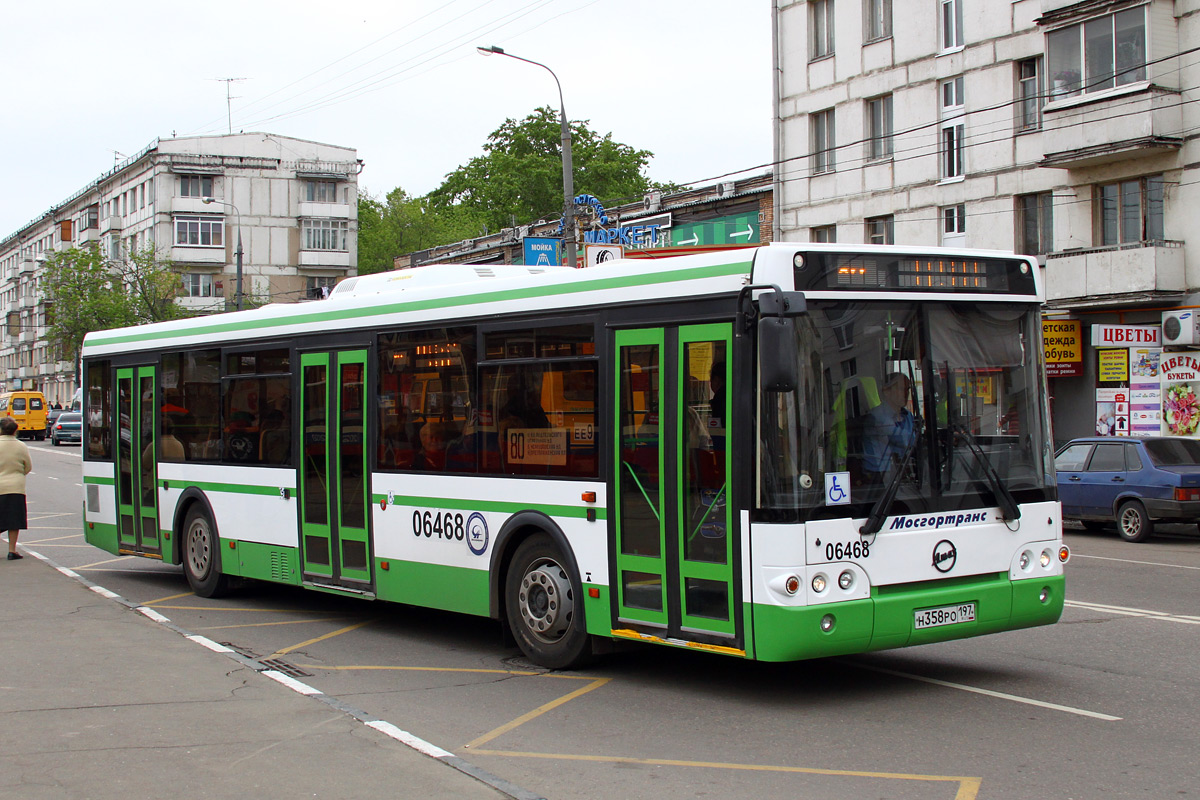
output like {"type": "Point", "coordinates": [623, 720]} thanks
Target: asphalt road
{"type": "Point", "coordinates": [1103, 704]}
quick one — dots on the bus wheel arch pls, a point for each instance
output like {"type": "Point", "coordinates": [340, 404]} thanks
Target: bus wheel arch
{"type": "Point", "coordinates": [197, 545]}
{"type": "Point", "coordinates": [538, 593]}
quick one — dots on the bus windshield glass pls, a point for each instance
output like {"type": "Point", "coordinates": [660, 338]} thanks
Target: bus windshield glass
{"type": "Point", "coordinates": [928, 401]}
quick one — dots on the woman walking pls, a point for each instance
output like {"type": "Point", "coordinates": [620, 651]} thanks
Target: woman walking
{"type": "Point", "coordinates": [14, 466]}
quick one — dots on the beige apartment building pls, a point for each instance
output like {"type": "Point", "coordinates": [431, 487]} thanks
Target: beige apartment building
{"type": "Point", "coordinates": [1052, 128]}
{"type": "Point", "coordinates": [292, 203]}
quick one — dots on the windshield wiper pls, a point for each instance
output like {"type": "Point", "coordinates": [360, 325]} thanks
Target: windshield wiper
{"type": "Point", "coordinates": [879, 510]}
{"type": "Point", "coordinates": [1008, 503]}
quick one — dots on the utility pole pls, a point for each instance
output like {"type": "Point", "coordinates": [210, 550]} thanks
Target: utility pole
{"type": "Point", "coordinates": [229, 98]}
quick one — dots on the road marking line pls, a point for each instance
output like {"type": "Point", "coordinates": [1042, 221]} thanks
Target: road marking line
{"type": "Point", "coordinates": [537, 712]}
{"type": "Point", "coordinates": [291, 683]}
{"type": "Point", "coordinates": [268, 624]}
{"type": "Point", "coordinates": [968, 786]}
{"type": "Point", "coordinates": [1135, 612]}
{"type": "Point", "coordinates": [1131, 561]}
{"type": "Point", "coordinates": [94, 563]}
{"type": "Point", "coordinates": [54, 538]}
{"type": "Point", "coordinates": [329, 635]}
{"type": "Point", "coordinates": [204, 641]}
{"type": "Point", "coordinates": [168, 597]}
{"type": "Point", "coordinates": [100, 590]}
{"type": "Point", "coordinates": [404, 737]}
{"type": "Point", "coordinates": [525, 673]}
{"type": "Point", "coordinates": [989, 693]}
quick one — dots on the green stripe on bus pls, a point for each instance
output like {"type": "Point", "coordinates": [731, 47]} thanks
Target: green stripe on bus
{"type": "Point", "coordinates": [99, 481]}
{"type": "Point", "coordinates": [227, 488]}
{"type": "Point", "coordinates": [623, 282]}
{"type": "Point", "coordinates": [499, 506]}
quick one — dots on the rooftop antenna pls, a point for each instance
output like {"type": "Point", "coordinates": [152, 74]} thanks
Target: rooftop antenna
{"type": "Point", "coordinates": [117, 156]}
{"type": "Point", "coordinates": [229, 98]}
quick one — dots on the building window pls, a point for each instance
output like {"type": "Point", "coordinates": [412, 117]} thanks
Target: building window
{"type": "Point", "coordinates": [952, 24]}
{"type": "Point", "coordinates": [822, 141]}
{"type": "Point", "coordinates": [878, 19]}
{"type": "Point", "coordinates": [1098, 54]}
{"type": "Point", "coordinates": [952, 150]}
{"type": "Point", "coordinates": [1130, 211]}
{"type": "Point", "coordinates": [200, 231]}
{"type": "Point", "coordinates": [824, 234]}
{"type": "Point", "coordinates": [820, 23]}
{"type": "Point", "coordinates": [881, 230]}
{"type": "Point", "coordinates": [195, 186]}
{"type": "Point", "coordinates": [879, 128]}
{"type": "Point", "coordinates": [1029, 94]}
{"type": "Point", "coordinates": [325, 234]}
{"type": "Point", "coordinates": [953, 96]}
{"type": "Point", "coordinates": [952, 128]}
{"type": "Point", "coordinates": [1035, 223]}
{"type": "Point", "coordinates": [319, 286]}
{"type": "Point", "coordinates": [321, 192]}
{"type": "Point", "coordinates": [90, 218]}
{"type": "Point", "coordinates": [954, 225]}
{"type": "Point", "coordinates": [200, 284]}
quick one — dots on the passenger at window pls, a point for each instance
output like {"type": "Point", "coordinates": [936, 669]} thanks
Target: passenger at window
{"type": "Point", "coordinates": [432, 457]}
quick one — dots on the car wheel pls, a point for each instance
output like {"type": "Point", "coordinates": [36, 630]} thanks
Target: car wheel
{"type": "Point", "coordinates": [1133, 524]}
{"type": "Point", "coordinates": [55, 442]}
{"type": "Point", "coordinates": [202, 555]}
{"type": "Point", "coordinates": [544, 606]}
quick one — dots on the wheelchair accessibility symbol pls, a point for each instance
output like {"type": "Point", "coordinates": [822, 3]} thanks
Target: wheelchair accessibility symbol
{"type": "Point", "coordinates": [837, 488]}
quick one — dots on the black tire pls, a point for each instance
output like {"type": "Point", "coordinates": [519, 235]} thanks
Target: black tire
{"type": "Point", "coordinates": [202, 555]}
{"type": "Point", "coordinates": [1133, 524]}
{"type": "Point", "coordinates": [55, 442]}
{"type": "Point", "coordinates": [544, 605]}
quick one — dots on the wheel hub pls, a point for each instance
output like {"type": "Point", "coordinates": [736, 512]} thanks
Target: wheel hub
{"type": "Point", "coordinates": [198, 549]}
{"type": "Point", "coordinates": [545, 601]}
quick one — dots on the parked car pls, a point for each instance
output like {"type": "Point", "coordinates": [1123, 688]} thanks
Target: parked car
{"type": "Point", "coordinates": [67, 428]}
{"type": "Point", "coordinates": [1132, 481]}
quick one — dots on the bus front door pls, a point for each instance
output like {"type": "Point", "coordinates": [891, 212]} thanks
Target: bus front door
{"type": "Point", "coordinates": [137, 463]}
{"type": "Point", "coordinates": [334, 506]}
{"type": "Point", "coordinates": [675, 531]}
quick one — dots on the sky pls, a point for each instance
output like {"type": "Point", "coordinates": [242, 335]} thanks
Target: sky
{"type": "Point", "coordinates": [89, 83]}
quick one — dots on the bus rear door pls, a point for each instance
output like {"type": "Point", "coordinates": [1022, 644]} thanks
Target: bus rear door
{"type": "Point", "coordinates": [137, 463]}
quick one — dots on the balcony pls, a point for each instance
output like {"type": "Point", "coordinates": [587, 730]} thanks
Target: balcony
{"type": "Point", "coordinates": [328, 210]}
{"type": "Point", "coordinates": [87, 235]}
{"type": "Point", "coordinates": [26, 266]}
{"type": "Point", "coordinates": [1145, 268]}
{"type": "Point", "coordinates": [211, 256]}
{"type": "Point", "coordinates": [339, 259]}
{"type": "Point", "coordinates": [194, 205]}
{"type": "Point", "coordinates": [110, 223]}
{"type": "Point", "coordinates": [202, 305]}
{"type": "Point", "coordinates": [1137, 120]}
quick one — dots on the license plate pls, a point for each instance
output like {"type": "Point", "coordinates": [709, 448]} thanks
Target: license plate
{"type": "Point", "coordinates": [946, 615]}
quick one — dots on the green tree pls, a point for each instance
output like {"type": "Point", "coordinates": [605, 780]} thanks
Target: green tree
{"type": "Point", "coordinates": [87, 292]}
{"type": "Point", "coordinates": [518, 179]}
{"type": "Point", "coordinates": [401, 224]}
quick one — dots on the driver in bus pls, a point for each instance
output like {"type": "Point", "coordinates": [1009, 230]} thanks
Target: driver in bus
{"type": "Point", "coordinates": [891, 429]}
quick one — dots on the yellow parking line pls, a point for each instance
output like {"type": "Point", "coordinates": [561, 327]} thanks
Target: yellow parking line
{"type": "Point", "coordinates": [435, 669]}
{"type": "Point", "coordinates": [55, 538]}
{"type": "Point", "coordinates": [95, 563]}
{"type": "Point", "coordinates": [168, 597]}
{"type": "Point", "coordinates": [329, 635]}
{"type": "Point", "coordinates": [265, 624]}
{"type": "Point", "coordinates": [968, 788]}
{"type": "Point", "coordinates": [240, 610]}
{"type": "Point", "coordinates": [537, 712]}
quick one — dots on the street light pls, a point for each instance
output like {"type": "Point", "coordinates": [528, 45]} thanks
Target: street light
{"type": "Point", "coordinates": [211, 200]}
{"type": "Point", "coordinates": [568, 179]}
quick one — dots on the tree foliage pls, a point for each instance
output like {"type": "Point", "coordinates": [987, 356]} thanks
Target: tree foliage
{"type": "Point", "coordinates": [518, 179]}
{"type": "Point", "coordinates": [401, 224]}
{"type": "Point", "coordinates": [87, 292]}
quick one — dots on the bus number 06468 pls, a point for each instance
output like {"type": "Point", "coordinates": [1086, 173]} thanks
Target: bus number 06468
{"type": "Point", "coordinates": [442, 524]}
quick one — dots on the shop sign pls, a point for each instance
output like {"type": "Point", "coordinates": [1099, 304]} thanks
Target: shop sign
{"type": "Point", "coordinates": [1113, 365]}
{"type": "Point", "coordinates": [638, 233]}
{"type": "Point", "coordinates": [1180, 366]}
{"type": "Point", "coordinates": [1126, 335]}
{"type": "Point", "coordinates": [1112, 412]}
{"type": "Point", "coordinates": [1063, 343]}
{"type": "Point", "coordinates": [542, 252]}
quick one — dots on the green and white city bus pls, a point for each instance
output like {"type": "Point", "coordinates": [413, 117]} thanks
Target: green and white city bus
{"type": "Point", "coordinates": [780, 452]}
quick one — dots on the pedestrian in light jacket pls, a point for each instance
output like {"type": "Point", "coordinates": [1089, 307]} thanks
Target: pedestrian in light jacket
{"type": "Point", "coordinates": [15, 464]}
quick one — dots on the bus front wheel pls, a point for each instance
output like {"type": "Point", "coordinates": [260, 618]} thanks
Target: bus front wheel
{"type": "Point", "coordinates": [201, 555]}
{"type": "Point", "coordinates": [544, 605]}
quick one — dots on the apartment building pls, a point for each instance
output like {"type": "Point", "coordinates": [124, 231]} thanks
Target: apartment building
{"type": "Point", "coordinates": [292, 204]}
{"type": "Point", "coordinates": [1052, 128]}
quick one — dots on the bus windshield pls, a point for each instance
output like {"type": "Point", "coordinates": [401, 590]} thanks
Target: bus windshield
{"type": "Point", "coordinates": [920, 398]}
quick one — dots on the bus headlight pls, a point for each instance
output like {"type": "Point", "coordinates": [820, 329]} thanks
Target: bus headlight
{"type": "Point", "coordinates": [846, 580]}
{"type": "Point", "coordinates": [1045, 559]}
{"type": "Point", "coordinates": [818, 583]}
{"type": "Point", "coordinates": [827, 622]}
{"type": "Point", "coordinates": [1024, 562]}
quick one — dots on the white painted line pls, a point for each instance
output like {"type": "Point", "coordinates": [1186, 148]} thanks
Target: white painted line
{"type": "Point", "coordinates": [70, 573]}
{"type": "Point", "coordinates": [1131, 561]}
{"type": "Point", "coordinates": [1135, 612]}
{"type": "Point", "coordinates": [152, 614]}
{"type": "Point", "coordinates": [100, 590]}
{"type": "Point", "coordinates": [290, 682]}
{"type": "Point", "coordinates": [988, 692]}
{"type": "Point", "coordinates": [204, 641]}
{"type": "Point", "coordinates": [404, 737]}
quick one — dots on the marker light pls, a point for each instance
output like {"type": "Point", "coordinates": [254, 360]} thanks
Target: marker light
{"type": "Point", "coordinates": [1064, 554]}
{"type": "Point", "coordinates": [846, 580]}
{"type": "Point", "coordinates": [1045, 558]}
{"type": "Point", "coordinates": [827, 622]}
{"type": "Point", "coordinates": [792, 584]}
{"type": "Point", "coordinates": [818, 583]}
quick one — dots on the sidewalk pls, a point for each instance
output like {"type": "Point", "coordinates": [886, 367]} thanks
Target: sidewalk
{"type": "Point", "coordinates": [98, 701]}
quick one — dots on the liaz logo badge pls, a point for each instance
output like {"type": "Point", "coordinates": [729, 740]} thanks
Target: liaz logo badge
{"type": "Point", "coordinates": [944, 555]}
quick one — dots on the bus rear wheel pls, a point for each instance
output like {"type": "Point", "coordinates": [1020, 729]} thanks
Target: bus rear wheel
{"type": "Point", "coordinates": [201, 555]}
{"type": "Point", "coordinates": [544, 605]}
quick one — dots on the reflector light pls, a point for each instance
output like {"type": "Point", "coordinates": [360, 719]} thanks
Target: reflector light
{"type": "Point", "coordinates": [1185, 494]}
{"type": "Point", "coordinates": [1064, 554]}
{"type": "Point", "coordinates": [593, 592]}
{"type": "Point", "coordinates": [792, 585]}
{"type": "Point", "coordinates": [588, 497]}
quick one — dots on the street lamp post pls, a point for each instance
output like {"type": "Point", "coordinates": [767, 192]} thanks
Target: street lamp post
{"type": "Point", "coordinates": [211, 200]}
{"type": "Point", "coordinates": [568, 175]}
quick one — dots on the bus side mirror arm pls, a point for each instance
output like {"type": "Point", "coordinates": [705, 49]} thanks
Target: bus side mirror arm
{"type": "Point", "coordinates": [777, 350]}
